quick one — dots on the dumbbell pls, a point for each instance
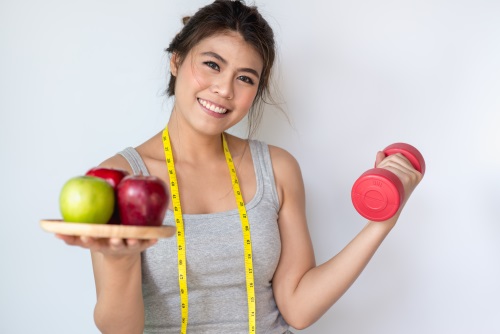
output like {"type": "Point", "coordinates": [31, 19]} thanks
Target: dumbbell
{"type": "Point", "coordinates": [378, 193]}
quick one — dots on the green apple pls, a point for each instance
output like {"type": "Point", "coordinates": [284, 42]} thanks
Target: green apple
{"type": "Point", "coordinates": [87, 199]}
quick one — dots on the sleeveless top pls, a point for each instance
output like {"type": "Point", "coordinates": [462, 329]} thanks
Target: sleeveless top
{"type": "Point", "coordinates": [215, 266]}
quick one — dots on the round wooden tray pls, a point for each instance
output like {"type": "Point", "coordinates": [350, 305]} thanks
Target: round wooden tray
{"type": "Point", "coordinates": [107, 231]}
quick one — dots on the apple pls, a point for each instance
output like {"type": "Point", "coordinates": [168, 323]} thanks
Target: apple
{"type": "Point", "coordinates": [142, 200]}
{"type": "Point", "coordinates": [87, 199]}
{"type": "Point", "coordinates": [113, 177]}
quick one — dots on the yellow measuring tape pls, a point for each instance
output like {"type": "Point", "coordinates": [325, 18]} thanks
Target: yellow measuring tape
{"type": "Point", "coordinates": [179, 224]}
{"type": "Point", "coordinates": [181, 242]}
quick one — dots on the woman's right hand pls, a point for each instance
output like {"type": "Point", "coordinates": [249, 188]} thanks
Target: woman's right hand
{"type": "Point", "coordinates": [115, 247]}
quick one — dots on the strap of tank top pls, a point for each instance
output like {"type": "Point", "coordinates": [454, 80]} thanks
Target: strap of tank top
{"type": "Point", "coordinates": [135, 161]}
{"type": "Point", "coordinates": [264, 161]}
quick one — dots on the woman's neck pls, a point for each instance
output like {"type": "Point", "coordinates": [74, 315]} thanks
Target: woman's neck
{"type": "Point", "coordinates": [191, 146]}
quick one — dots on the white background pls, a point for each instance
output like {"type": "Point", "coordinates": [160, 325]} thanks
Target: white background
{"type": "Point", "coordinates": [80, 80]}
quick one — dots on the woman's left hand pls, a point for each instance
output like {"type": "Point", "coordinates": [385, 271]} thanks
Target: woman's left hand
{"type": "Point", "coordinates": [399, 165]}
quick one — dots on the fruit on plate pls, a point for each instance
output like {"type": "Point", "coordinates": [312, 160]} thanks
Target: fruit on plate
{"type": "Point", "coordinates": [87, 199]}
{"type": "Point", "coordinates": [142, 200]}
{"type": "Point", "coordinates": [113, 177]}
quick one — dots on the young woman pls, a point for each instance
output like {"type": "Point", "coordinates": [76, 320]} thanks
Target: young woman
{"type": "Point", "coordinates": [247, 267]}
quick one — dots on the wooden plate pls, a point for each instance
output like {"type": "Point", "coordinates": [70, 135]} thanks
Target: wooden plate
{"type": "Point", "coordinates": [107, 231]}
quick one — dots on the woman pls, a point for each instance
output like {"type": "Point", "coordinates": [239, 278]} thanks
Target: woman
{"type": "Point", "coordinates": [220, 70]}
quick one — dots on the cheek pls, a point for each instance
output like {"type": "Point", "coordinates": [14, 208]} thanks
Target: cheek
{"type": "Point", "coordinates": [247, 97]}
{"type": "Point", "coordinates": [199, 79]}
{"type": "Point", "coordinates": [192, 77]}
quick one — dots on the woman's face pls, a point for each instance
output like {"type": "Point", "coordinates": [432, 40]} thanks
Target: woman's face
{"type": "Point", "coordinates": [217, 82]}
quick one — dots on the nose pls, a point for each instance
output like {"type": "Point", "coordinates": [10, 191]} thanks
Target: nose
{"type": "Point", "coordinates": [223, 87]}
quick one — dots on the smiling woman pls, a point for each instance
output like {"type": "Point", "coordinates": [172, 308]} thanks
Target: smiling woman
{"type": "Point", "coordinates": [242, 260]}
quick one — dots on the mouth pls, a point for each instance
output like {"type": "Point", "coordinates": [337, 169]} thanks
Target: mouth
{"type": "Point", "coordinates": [212, 107]}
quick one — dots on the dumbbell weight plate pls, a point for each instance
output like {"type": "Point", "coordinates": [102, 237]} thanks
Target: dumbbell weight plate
{"type": "Point", "coordinates": [377, 194]}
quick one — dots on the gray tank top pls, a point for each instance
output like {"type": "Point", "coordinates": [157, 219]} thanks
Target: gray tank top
{"type": "Point", "coordinates": [215, 267]}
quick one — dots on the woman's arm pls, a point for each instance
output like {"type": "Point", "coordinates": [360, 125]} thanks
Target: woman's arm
{"type": "Point", "coordinates": [304, 291]}
{"type": "Point", "coordinates": [117, 273]}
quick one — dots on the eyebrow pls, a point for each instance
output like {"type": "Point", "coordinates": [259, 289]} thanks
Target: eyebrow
{"type": "Point", "coordinates": [222, 60]}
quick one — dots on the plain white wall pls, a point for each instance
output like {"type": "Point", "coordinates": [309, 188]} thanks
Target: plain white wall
{"type": "Point", "coordinates": [80, 80]}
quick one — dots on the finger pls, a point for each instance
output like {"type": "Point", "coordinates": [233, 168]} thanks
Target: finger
{"type": "Point", "coordinates": [133, 244]}
{"type": "Point", "coordinates": [145, 243]}
{"type": "Point", "coordinates": [70, 240]}
{"type": "Point", "coordinates": [401, 169]}
{"type": "Point", "coordinates": [87, 241]}
{"type": "Point", "coordinates": [379, 157]}
{"type": "Point", "coordinates": [116, 244]}
{"type": "Point", "coordinates": [396, 160]}
{"type": "Point", "coordinates": [152, 242]}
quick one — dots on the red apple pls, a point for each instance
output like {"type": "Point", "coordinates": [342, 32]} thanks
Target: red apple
{"type": "Point", "coordinates": [113, 177]}
{"type": "Point", "coordinates": [142, 200]}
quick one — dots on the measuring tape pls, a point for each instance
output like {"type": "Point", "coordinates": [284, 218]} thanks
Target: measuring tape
{"type": "Point", "coordinates": [179, 223]}
{"type": "Point", "coordinates": [247, 241]}
{"type": "Point", "coordinates": [181, 241]}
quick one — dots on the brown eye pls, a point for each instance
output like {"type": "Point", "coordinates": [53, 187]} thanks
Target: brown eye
{"type": "Point", "coordinates": [246, 79]}
{"type": "Point", "coordinates": [212, 65]}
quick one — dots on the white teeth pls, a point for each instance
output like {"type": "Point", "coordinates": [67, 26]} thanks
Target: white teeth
{"type": "Point", "coordinates": [211, 107]}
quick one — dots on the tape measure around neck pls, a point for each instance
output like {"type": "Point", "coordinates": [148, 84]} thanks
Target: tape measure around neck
{"type": "Point", "coordinates": [179, 224]}
{"type": "Point", "coordinates": [181, 242]}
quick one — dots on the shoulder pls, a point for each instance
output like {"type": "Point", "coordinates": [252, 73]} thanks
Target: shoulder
{"type": "Point", "coordinates": [283, 161]}
{"type": "Point", "coordinates": [281, 156]}
{"type": "Point", "coordinates": [287, 173]}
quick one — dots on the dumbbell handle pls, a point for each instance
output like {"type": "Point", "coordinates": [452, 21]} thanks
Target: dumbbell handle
{"type": "Point", "coordinates": [378, 193]}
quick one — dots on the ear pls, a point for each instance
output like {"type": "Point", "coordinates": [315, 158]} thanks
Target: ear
{"type": "Point", "coordinates": [174, 61]}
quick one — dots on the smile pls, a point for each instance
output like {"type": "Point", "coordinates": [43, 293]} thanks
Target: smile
{"type": "Point", "coordinates": [212, 107]}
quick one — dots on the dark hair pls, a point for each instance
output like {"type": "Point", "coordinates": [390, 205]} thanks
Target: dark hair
{"type": "Point", "coordinates": [229, 15]}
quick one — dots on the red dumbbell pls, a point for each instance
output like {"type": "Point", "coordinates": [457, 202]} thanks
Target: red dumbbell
{"type": "Point", "coordinates": [378, 193]}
